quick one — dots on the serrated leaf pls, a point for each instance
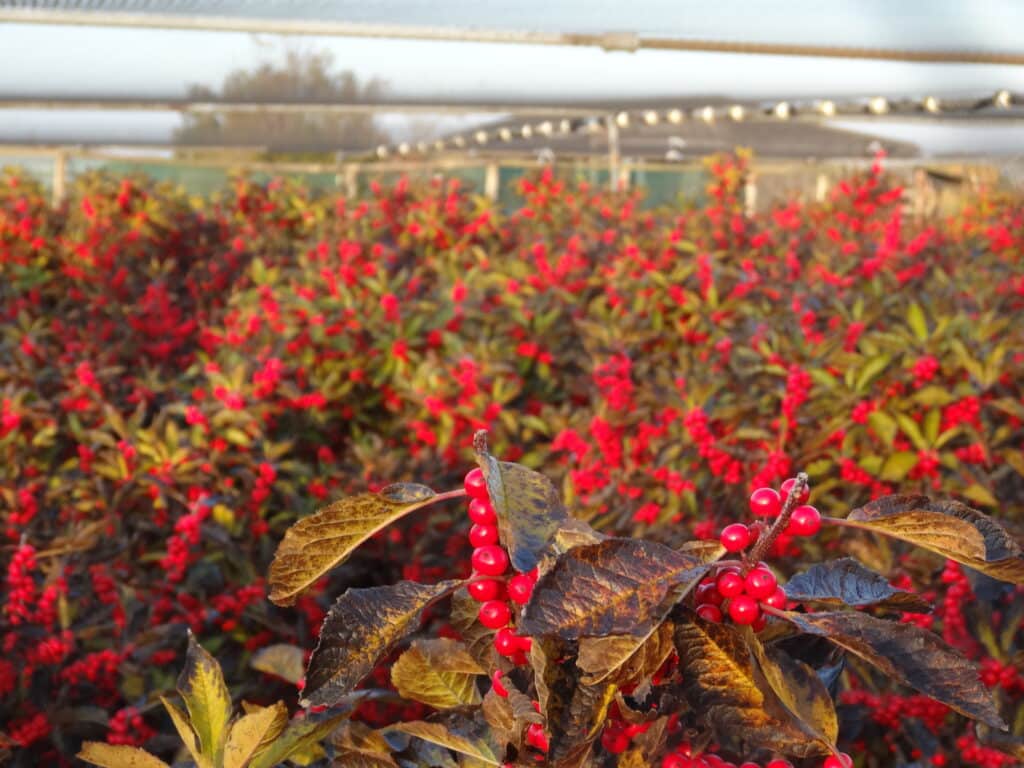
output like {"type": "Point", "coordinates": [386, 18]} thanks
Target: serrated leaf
{"type": "Point", "coordinates": [847, 582]}
{"type": "Point", "coordinates": [253, 732]}
{"type": "Point", "coordinates": [439, 673]}
{"type": "Point", "coordinates": [625, 659]}
{"type": "Point", "coordinates": [362, 626]}
{"type": "Point", "coordinates": [470, 739]}
{"type": "Point", "coordinates": [721, 684]}
{"type": "Point", "coordinates": [326, 538]}
{"type": "Point", "coordinates": [616, 587]}
{"type": "Point", "coordinates": [281, 660]}
{"type": "Point", "coordinates": [357, 746]}
{"type": "Point", "coordinates": [528, 507]}
{"type": "Point", "coordinates": [300, 735]}
{"type": "Point", "coordinates": [898, 465]}
{"type": "Point", "coordinates": [206, 697]}
{"type": "Point", "coordinates": [185, 733]}
{"type": "Point", "coordinates": [118, 756]}
{"type": "Point", "coordinates": [917, 321]}
{"type": "Point", "coordinates": [907, 654]}
{"type": "Point", "coordinates": [948, 528]}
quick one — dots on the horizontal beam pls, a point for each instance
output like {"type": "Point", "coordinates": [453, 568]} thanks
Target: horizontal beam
{"type": "Point", "coordinates": [612, 41]}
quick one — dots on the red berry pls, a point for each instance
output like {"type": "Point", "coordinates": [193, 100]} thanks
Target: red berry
{"type": "Point", "coordinates": [760, 623]}
{"type": "Point", "coordinates": [707, 594]}
{"type": "Point", "coordinates": [744, 610]}
{"type": "Point", "coordinates": [475, 485]}
{"type": "Point", "coordinates": [484, 590]}
{"type": "Point", "coordinates": [735, 537]}
{"type": "Point", "coordinates": [525, 643]}
{"type": "Point", "coordinates": [496, 685]}
{"type": "Point", "coordinates": [505, 642]}
{"type": "Point", "coordinates": [748, 764]}
{"type": "Point", "coordinates": [760, 583]}
{"type": "Point", "coordinates": [615, 742]}
{"type": "Point", "coordinates": [777, 599]}
{"type": "Point", "coordinates": [536, 737]}
{"type": "Point", "coordinates": [675, 760]}
{"type": "Point", "coordinates": [481, 534]}
{"type": "Point", "coordinates": [710, 612]}
{"type": "Point", "coordinates": [779, 763]}
{"type": "Point", "coordinates": [481, 511]}
{"type": "Point", "coordinates": [787, 486]}
{"type": "Point", "coordinates": [765, 502]}
{"type": "Point", "coordinates": [839, 760]}
{"type": "Point", "coordinates": [520, 659]}
{"type": "Point", "coordinates": [520, 587]}
{"type": "Point", "coordinates": [494, 614]}
{"type": "Point", "coordinates": [490, 560]}
{"type": "Point", "coordinates": [636, 729]}
{"type": "Point", "coordinates": [806, 521]}
{"type": "Point", "coordinates": [730, 584]}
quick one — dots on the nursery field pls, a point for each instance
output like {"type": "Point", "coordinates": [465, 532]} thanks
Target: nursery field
{"type": "Point", "coordinates": [183, 378]}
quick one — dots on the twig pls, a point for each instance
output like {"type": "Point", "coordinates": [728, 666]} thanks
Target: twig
{"type": "Point", "coordinates": [765, 541]}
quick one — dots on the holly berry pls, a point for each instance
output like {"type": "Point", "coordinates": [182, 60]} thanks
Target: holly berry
{"type": "Point", "coordinates": [536, 737]}
{"type": "Point", "coordinates": [496, 685]}
{"type": "Point", "coordinates": [787, 486]}
{"type": "Point", "coordinates": [805, 521]}
{"type": "Point", "coordinates": [735, 537]}
{"type": "Point", "coordinates": [760, 583]}
{"type": "Point", "coordinates": [615, 742]}
{"type": "Point", "coordinates": [675, 760]}
{"type": "Point", "coordinates": [484, 590]}
{"type": "Point", "coordinates": [481, 534]}
{"type": "Point", "coordinates": [494, 614]}
{"type": "Point", "coordinates": [776, 599]}
{"type": "Point", "coordinates": [525, 643]}
{"type": "Point", "coordinates": [475, 485]}
{"type": "Point", "coordinates": [710, 612]}
{"type": "Point", "coordinates": [744, 610]}
{"type": "Point", "coordinates": [838, 760]}
{"type": "Point", "coordinates": [481, 511]}
{"type": "Point", "coordinates": [765, 502]}
{"type": "Point", "coordinates": [779, 763]}
{"type": "Point", "coordinates": [520, 587]}
{"type": "Point", "coordinates": [730, 584]}
{"type": "Point", "coordinates": [707, 593]}
{"type": "Point", "coordinates": [760, 623]}
{"type": "Point", "coordinates": [490, 560]}
{"type": "Point", "coordinates": [505, 642]}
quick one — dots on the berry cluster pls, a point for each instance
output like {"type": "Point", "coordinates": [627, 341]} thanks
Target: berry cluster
{"type": "Point", "coordinates": [683, 757]}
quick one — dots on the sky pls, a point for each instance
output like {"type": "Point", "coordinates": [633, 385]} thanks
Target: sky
{"type": "Point", "coordinates": [40, 61]}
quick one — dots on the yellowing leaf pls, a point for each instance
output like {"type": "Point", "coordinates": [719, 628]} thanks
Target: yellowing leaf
{"type": "Point", "coordinates": [871, 369]}
{"type": "Point", "coordinates": [883, 425]}
{"type": "Point", "coordinates": [357, 746]}
{"type": "Point", "coordinates": [186, 734]}
{"type": "Point", "coordinates": [980, 494]}
{"type": "Point", "coordinates": [253, 732]}
{"type": "Point", "coordinates": [207, 700]}
{"type": "Point", "coordinates": [917, 322]}
{"type": "Point", "coordinates": [625, 658]}
{"type": "Point", "coordinates": [471, 742]}
{"type": "Point", "coordinates": [897, 465]}
{"type": "Point", "coordinates": [325, 539]}
{"type": "Point", "coordinates": [281, 659]}
{"type": "Point", "coordinates": [299, 736]}
{"type": "Point", "coordinates": [439, 673]}
{"type": "Point", "coordinates": [118, 756]}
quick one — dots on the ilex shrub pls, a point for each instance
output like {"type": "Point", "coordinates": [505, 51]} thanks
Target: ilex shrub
{"type": "Point", "coordinates": [573, 648]}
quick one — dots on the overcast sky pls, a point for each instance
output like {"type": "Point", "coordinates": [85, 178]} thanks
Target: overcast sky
{"type": "Point", "coordinates": [47, 60]}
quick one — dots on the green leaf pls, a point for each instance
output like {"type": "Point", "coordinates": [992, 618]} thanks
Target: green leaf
{"type": "Point", "coordinates": [933, 396]}
{"type": "Point", "coordinates": [325, 539]}
{"type": "Point", "coordinates": [897, 465]}
{"type": "Point", "coordinates": [201, 685]}
{"type": "Point", "coordinates": [913, 431]}
{"type": "Point", "coordinates": [883, 426]}
{"type": "Point", "coordinates": [186, 734]}
{"type": "Point", "coordinates": [917, 322]}
{"type": "Point", "coordinates": [979, 494]}
{"type": "Point", "coordinates": [439, 673]}
{"type": "Point", "coordinates": [118, 756]}
{"type": "Point", "coordinates": [847, 582]}
{"type": "Point", "coordinates": [361, 628]}
{"type": "Point", "coordinates": [909, 655]}
{"type": "Point", "coordinates": [870, 370]}
{"type": "Point", "coordinates": [299, 735]}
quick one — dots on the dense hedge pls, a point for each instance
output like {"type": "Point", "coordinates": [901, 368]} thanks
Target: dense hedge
{"type": "Point", "coordinates": [182, 378]}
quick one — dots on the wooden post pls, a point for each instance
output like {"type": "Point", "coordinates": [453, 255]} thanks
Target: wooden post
{"type": "Point", "coordinates": [351, 180]}
{"type": "Point", "coordinates": [613, 152]}
{"type": "Point", "coordinates": [59, 177]}
{"type": "Point", "coordinates": [492, 177]}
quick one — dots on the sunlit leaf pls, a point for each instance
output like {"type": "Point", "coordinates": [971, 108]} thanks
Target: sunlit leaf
{"type": "Point", "coordinates": [439, 673]}
{"type": "Point", "coordinates": [282, 660]}
{"type": "Point", "coordinates": [616, 587]}
{"type": "Point", "coordinates": [206, 697]}
{"type": "Point", "coordinates": [185, 733]}
{"type": "Point", "coordinates": [118, 756]}
{"type": "Point", "coordinates": [464, 736]}
{"type": "Point", "coordinates": [357, 746]}
{"type": "Point", "coordinates": [949, 528]}
{"type": "Point", "coordinates": [253, 732]}
{"type": "Point", "coordinates": [909, 655]}
{"type": "Point", "coordinates": [299, 736]}
{"type": "Point", "coordinates": [362, 627]}
{"type": "Point", "coordinates": [917, 321]}
{"type": "Point", "coordinates": [846, 582]}
{"type": "Point", "coordinates": [325, 539]}
{"type": "Point", "coordinates": [479, 640]}
{"type": "Point", "coordinates": [625, 658]}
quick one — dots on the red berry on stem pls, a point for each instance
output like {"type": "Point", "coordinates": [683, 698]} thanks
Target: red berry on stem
{"type": "Point", "coordinates": [675, 761]}
{"type": "Point", "coordinates": [787, 486]}
{"type": "Point", "coordinates": [760, 623]}
{"type": "Point", "coordinates": [520, 659]}
{"type": "Point", "coordinates": [490, 560]}
{"type": "Point", "coordinates": [484, 590]}
{"type": "Point", "coordinates": [838, 760]}
{"type": "Point", "coordinates": [614, 742]}
{"type": "Point", "coordinates": [710, 612]}
{"type": "Point", "coordinates": [475, 485]}
{"type": "Point", "coordinates": [760, 583]}
{"type": "Point", "coordinates": [481, 534]}
{"type": "Point", "coordinates": [806, 521]}
{"type": "Point", "coordinates": [520, 587]}
{"type": "Point", "coordinates": [481, 511]}
{"type": "Point", "coordinates": [707, 594]}
{"type": "Point", "coordinates": [744, 610]}
{"type": "Point", "coordinates": [536, 737]}
{"type": "Point", "coordinates": [505, 642]}
{"type": "Point", "coordinates": [494, 614]}
{"type": "Point", "coordinates": [735, 537]}
{"type": "Point", "coordinates": [525, 643]}
{"type": "Point", "coordinates": [765, 502]}
{"type": "Point", "coordinates": [779, 763]}
{"type": "Point", "coordinates": [730, 584]}
{"type": "Point", "coordinates": [777, 599]}
{"type": "Point", "coordinates": [496, 685]}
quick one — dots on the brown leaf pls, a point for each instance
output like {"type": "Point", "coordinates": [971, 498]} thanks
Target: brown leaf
{"type": "Point", "coordinates": [528, 506]}
{"type": "Point", "coordinates": [617, 587]}
{"type": "Point", "coordinates": [326, 538]}
{"type": "Point", "coordinates": [300, 735]}
{"type": "Point", "coordinates": [626, 658]}
{"type": "Point", "coordinates": [910, 655]}
{"type": "Point", "coordinates": [357, 746]}
{"type": "Point", "coordinates": [467, 737]}
{"type": "Point", "coordinates": [281, 660]}
{"type": "Point", "coordinates": [479, 639]}
{"type": "Point", "coordinates": [948, 528]}
{"type": "Point", "coordinates": [439, 673]}
{"type": "Point", "coordinates": [721, 683]}
{"type": "Point", "coordinates": [847, 582]}
{"type": "Point", "coordinates": [363, 625]}
{"type": "Point", "coordinates": [118, 756]}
